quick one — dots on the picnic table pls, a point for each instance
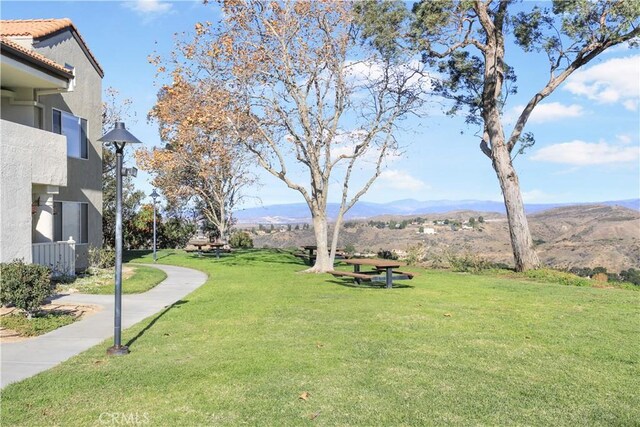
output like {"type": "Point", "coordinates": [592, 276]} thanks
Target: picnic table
{"type": "Point", "coordinates": [198, 244]}
{"type": "Point", "coordinates": [385, 266]}
{"type": "Point", "coordinates": [217, 247]}
{"type": "Point", "coordinates": [202, 243]}
{"type": "Point", "coordinates": [312, 249]}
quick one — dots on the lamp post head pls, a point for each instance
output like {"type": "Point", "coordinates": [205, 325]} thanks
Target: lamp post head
{"type": "Point", "coordinates": [119, 135]}
{"type": "Point", "coordinates": [154, 195]}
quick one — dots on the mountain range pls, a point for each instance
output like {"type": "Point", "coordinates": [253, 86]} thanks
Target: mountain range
{"type": "Point", "coordinates": [299, 212]}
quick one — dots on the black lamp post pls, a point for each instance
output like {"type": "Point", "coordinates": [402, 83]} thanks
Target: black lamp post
{"type": "Point", "coordinates": [119, 136]}
{"type": "Point", "coordinates": [154, 195]}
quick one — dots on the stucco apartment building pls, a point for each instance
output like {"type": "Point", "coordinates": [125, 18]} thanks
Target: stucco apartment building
{"type": "Point", "coordinates": [50, 156]}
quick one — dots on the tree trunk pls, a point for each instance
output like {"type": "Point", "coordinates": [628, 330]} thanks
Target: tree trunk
{"type": "Point", "coordinates": [336, 234]}
{"type": "Point", "coordinates": [320, 228]}
{"type": "Point", "coordinates": [521, 241]}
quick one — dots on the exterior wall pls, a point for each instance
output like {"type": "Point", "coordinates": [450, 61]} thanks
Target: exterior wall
{"type": "Point", "coordinates": [28, 156]}
{"type": "Point", "coordinates": [23, 114]}
{"type": "Point", "coordinates": [84, 177]}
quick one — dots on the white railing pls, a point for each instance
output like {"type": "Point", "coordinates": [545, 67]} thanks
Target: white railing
{"type": "Point", "coordinates": [59, 256]}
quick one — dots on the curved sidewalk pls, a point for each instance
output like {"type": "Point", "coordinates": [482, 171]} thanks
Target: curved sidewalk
{"type": "Point", "coordinates": [24, 359]}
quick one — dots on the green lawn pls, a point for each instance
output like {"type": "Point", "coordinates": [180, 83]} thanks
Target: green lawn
{"type": "Point", "coordinates": [449, 349]}
{"type": "Point", "coordinates": [39, 324]}
{"type": "Point", "coordinates": [141, 279]}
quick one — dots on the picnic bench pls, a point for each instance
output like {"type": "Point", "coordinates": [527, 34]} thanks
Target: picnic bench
{"type": "Point", "coordinates": [310, 256]}
{"type": "Point", "coordinates": [384, 271]}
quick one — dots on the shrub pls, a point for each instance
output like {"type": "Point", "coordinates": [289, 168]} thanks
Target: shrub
{"type": "Point", "coordinates": [631, 275]}
{"type": "Point", "coordinates": [600, 277]}
{"type": "Point", "coordinates": [416, 254]}
{"type": "Point", "coordinates": [241, 239]}
{"type": "Point", "coordinates": [385, 254]}
{"type": "Point", "coordinates": [350, 249]}
{"type": "Point", "coordinates": [25, 286]}
{"type": "Point", "coordinates": [554, 276]}
{"type": "Point", "coordinates": [468, 263]}
{"type": "Point", "coordinates": [102, 258]}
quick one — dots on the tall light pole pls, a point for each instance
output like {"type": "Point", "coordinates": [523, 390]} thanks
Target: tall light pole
{"type": "Point", "coordinates": [154, 195]}
{"type": "Point", "coordinates": [119, 136]}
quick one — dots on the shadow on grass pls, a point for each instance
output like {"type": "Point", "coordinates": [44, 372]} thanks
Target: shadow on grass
{"type": "Point", "coordinates": [247, 256]}
{"type": "Point", "coordinates": [348, 283]}
{"type": "Point", "coordinates": [155, 319]}
{"type": "Point", "coordinates": [134, 255]}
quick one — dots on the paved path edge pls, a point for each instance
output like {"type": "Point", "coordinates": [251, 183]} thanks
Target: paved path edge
{"type": "Point", "coordinates": [24, 359]}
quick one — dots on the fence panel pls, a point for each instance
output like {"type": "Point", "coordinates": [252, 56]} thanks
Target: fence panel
{"type": "Point", "coordinates": [59, 256]}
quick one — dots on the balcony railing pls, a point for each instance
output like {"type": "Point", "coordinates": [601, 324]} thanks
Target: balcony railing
{"type": "Point", "coordinates": [59, 256]}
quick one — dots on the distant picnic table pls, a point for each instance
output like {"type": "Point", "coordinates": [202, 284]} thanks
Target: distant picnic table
{"type": "Point", "coordinates": [383, 271]}
{"type": "Point", "coordinates": [202, 243]}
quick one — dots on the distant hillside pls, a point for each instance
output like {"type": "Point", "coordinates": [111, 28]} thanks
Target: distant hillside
{"type": "Point", "coordinates": [565, 237]}
{"type": "Point", "coordinates": [299, 212]}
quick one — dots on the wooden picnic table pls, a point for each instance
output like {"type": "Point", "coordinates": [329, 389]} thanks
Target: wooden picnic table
{"type": "Point", "coordinates": [313, 248]}
{"type": "Point", "coordinates": [198, 244]}
{"type": "Point", "coordinates": [201, 243]}
{"type": "Point", "coordinates": [385, 265]}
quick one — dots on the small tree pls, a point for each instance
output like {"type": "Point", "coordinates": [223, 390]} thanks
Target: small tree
{"type": "Point", "coordinates": [200, 165]}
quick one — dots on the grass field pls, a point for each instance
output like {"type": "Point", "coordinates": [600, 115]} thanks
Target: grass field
{"type": "Point", "coordinates": [136, 279]}
{"type": "Point", "coordinates": [447, 349]}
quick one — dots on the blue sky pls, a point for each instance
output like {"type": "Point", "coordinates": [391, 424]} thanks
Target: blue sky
{"type": "Point", "coordinates": [587, 133]}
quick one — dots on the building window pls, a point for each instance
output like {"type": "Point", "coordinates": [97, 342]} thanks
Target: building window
{"type": "Point", "coordinates": [70, 221]}
{"type": "Point", "coordinates": [75, 129]}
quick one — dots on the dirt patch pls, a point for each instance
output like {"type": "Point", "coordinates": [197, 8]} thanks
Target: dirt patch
{"type": "Point", "coordinates": [79, 311]}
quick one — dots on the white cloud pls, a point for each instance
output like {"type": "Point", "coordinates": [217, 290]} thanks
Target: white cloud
{"type": "Point", "coordinates": [399, 180]}
{"type": "Point", "coordinates": [615, 80]}
{"type": "Point", "coordinates": [580, 153]}
{"type": "Point", "coordinates": [145, 7]}
{"type": "Point", "coordinates": [548, 112]}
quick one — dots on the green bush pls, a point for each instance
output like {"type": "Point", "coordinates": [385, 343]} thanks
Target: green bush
{"type": "Point", "coordinates": [468, 263]}
{"type": "Point", "coordinates": [241, 239]}
{"type": "Point", "coordinates": [350, 249]}
{"type": "Point", "coordinates": [25, 286]}
{"type": "Point", "coordinates": [554, 276]}
{"type": "Point", "coordinates": [385, 254]}
{"type": "Point", "coordinates": [102, 258]}
{"type": "Point", "coordinates": [631, 275]}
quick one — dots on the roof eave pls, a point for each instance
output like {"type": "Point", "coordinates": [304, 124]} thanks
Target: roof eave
{"type": "Point", "coordinates": [23, 57]}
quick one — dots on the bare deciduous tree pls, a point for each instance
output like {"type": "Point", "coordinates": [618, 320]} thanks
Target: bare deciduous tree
{"type": "Point", "coordinates": [312, 106]}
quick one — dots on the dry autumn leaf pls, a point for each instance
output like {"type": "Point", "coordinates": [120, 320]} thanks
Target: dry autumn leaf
{"type": "Point", "coordinates": [304, 396]}
{"type": "Point", "coordinates": [447, 315]}
{"type": "Point", "coordinates": [314, 416]}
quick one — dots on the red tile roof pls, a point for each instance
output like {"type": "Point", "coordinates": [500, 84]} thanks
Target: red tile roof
{"type": "Point", "coordinates": [34, 55]}
{"type": "Point", "coordinates": [41, 28]}
{"type": "Point", "coordinates": [33, 27]}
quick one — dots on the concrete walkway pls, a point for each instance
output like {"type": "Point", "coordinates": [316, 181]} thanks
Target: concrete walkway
{"type": "Point", "coordinates": [24, 359]}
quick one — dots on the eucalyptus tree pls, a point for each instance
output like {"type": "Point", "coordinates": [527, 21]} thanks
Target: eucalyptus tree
{"type": "Point", "coordinates": [467, 42]}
